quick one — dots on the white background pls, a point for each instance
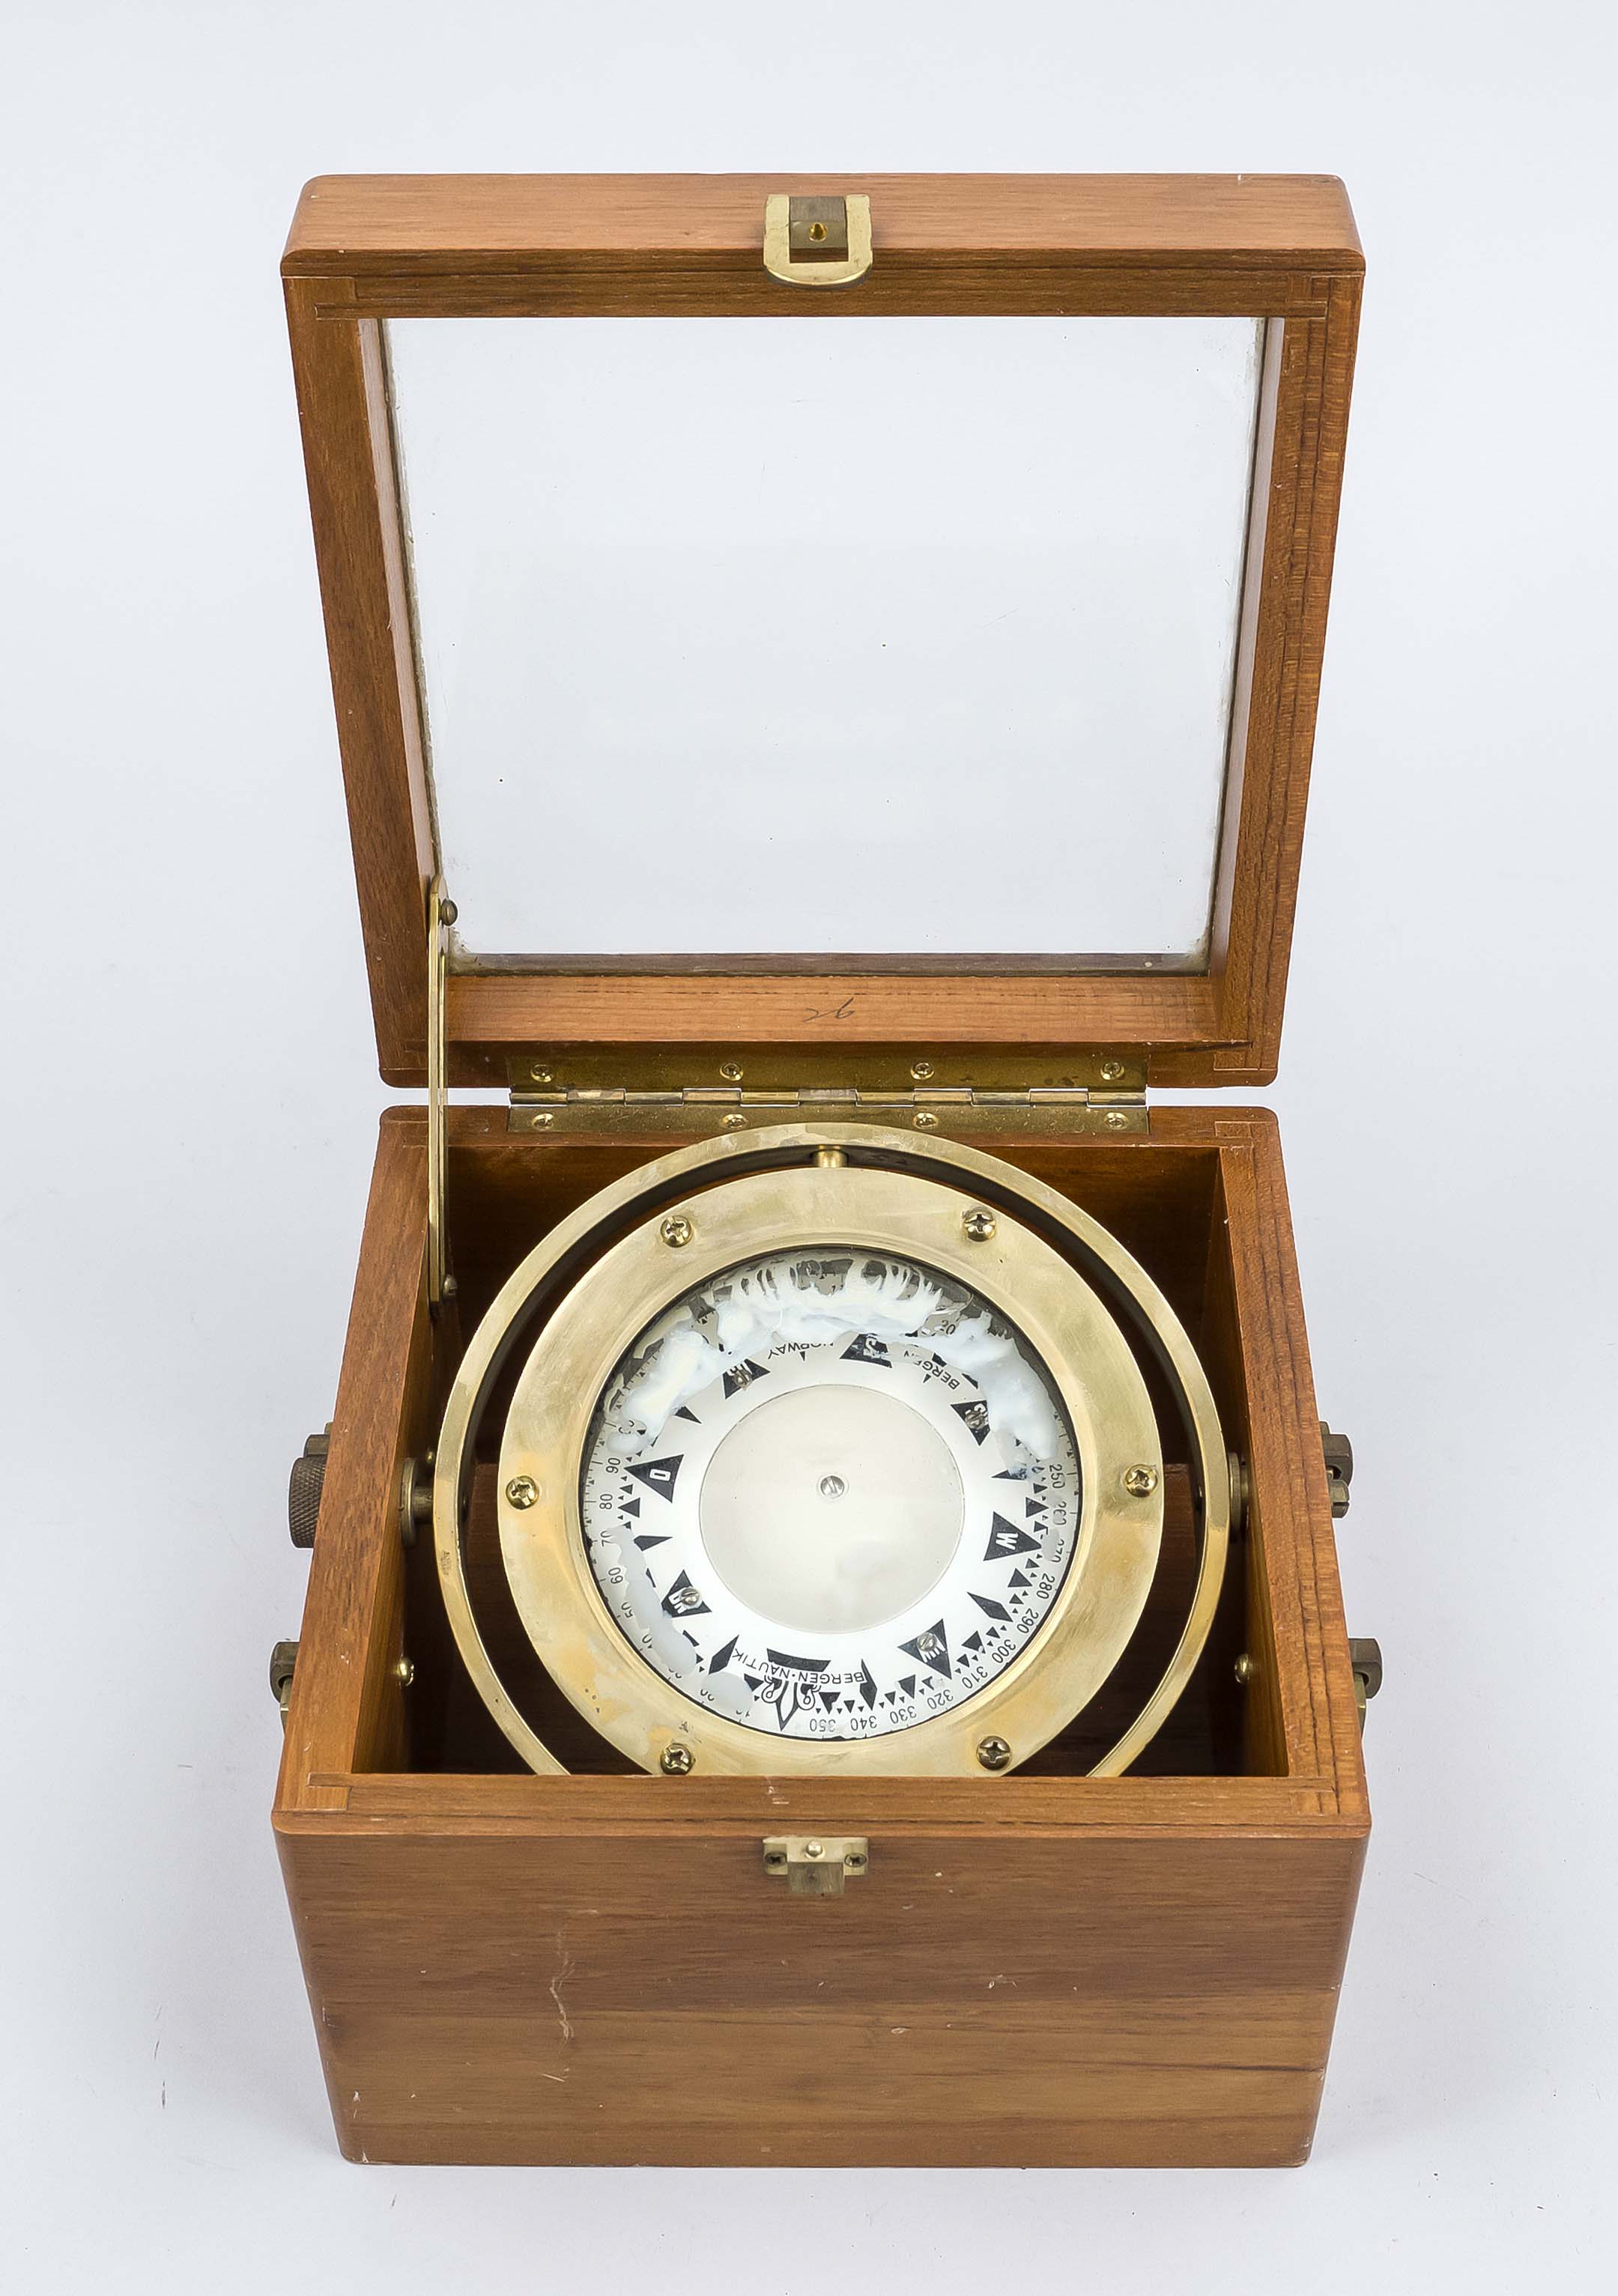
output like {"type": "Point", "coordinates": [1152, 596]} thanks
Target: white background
{"type": "Point", "coordinates": [190, 1061]}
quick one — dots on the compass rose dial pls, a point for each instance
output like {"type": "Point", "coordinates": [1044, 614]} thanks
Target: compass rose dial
{"type": "Point", "coordinates": [830, 1494]}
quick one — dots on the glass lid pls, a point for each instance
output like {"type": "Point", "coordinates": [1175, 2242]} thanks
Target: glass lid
{"type": "Point", "coordinates": [904, 639]}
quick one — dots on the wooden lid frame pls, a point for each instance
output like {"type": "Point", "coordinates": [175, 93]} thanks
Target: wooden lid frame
{"type": "Point", "coordinates": [364, 249]}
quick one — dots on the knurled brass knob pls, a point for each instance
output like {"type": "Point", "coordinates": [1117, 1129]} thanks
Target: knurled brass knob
{"type": "Point", "coordinates": [303, 1491]}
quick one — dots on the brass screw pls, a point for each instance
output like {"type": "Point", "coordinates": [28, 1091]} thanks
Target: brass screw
{"type": "Point", "coordinates": [676, 1761]}
{"type": "Point", "coordinates": [731, 1070]}
{"type": "Point", "coordinates": [734, 1121]}
{"type": "Point", "coordinates": [979, 1226]}
{"type": "Point", "coordinates": [676, 1231]}
{"type": "Point", "coordinates": [405, 1672]}
{"type": "Point", "coordinates": [1111, 1070]}
{"type": "Point", "coordinates": [855, 1860]}
{"type": "Point", "coordinates": [774, 1859]}
{"type": "Point", "coordinates": [447, 913]}
{"type": "Point", "coordinates": [522, 1491]}
{"type": "Point", "coordinates": [926, 1122]}
{"type": "Point", "coordinates": [817, 231]}
{"type": "Point", "coordinates": [1245, 1669]}
{"type": "Point", "coordinates": [994, 1753]}
{"type": "Point", "coordinates": [540, 1074]}
{"type": "Point", "coordinates": [540, 1120]}
{"type": "Point", "coordinates": [920, 1071]}
{"type": "Point", "coordinates": [1116, 1121]}
{"type": "Point", "coordinates": [814, 1849]}
{"type": "Point", "coordinates": [1140, 1482]}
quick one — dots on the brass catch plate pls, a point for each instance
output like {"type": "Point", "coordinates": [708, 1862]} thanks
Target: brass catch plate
{"type": "Point", "coordinates": [816, 1865]}
{"type": "Point", "coordinates": [814, 241]}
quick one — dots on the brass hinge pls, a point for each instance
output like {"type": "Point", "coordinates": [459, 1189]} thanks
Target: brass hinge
{"type": "Point", "coordinates": [685, 1090]}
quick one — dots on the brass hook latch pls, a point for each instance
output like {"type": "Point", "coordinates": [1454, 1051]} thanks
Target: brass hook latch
{"type": "Point", "coordinates": [812, 242]}
{"type": "Point", "coordinates": [441, 916]}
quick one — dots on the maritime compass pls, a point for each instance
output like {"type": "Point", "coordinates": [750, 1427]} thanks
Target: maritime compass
{"type": "Point", "coordinates": [821, 1455]}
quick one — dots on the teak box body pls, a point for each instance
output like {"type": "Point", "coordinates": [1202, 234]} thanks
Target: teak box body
{"type": "Point", "coordinates": [1042, 1969]}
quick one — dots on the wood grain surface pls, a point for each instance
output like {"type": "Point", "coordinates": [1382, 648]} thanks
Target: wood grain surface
{"type": "Point", "coordinates": [1283, 249]}
{"type": "Point", "coordinates": [467, 225]}
{"type": "Point", "coordinates": [506, 1967]}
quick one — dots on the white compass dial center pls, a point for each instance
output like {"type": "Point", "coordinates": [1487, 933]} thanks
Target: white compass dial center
{"type": "Point", "coordinates": [831, 1508]}
{"type": "Point", "coordinates": [830, 1494]}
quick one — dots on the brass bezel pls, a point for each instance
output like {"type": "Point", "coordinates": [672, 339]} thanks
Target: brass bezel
{"type": "Point", "coordinates": [667, 1180]}
{"type": "Point", "coordinates": [1104, 1591]}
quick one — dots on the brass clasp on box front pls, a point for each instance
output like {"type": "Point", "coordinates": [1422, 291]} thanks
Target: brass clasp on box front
{"type": "Point", "coordinates": [816, 1865]}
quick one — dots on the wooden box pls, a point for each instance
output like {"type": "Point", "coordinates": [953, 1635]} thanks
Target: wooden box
{"type": "Point", "coordinates": [1048, 1969]}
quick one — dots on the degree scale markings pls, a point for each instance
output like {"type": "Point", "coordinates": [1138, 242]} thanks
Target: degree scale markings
{"type": "Point", "coordinates": [860, 1326]}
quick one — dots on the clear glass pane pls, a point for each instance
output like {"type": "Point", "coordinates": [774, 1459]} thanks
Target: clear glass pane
{"type": "Point", "coordinates": [883, 637]}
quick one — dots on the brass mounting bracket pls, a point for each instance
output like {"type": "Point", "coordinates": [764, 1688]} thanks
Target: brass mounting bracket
{"type": "Point", "coordinates": [812, 242]}
{"type": "Point", "coordinates": [284, 1659]}
{"type": "Point", "coordinates": [1364, 1658]}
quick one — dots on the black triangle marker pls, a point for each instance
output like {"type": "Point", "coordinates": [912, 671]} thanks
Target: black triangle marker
{"type": "Point", "coordinates": [974, 1418]}
{"type": "Point", "coordinates": [1005, 1539]}
{"type": "Point", "coordinates": [932, 1649]}
{"type": "Point", "coordinates": [657, 1474]}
